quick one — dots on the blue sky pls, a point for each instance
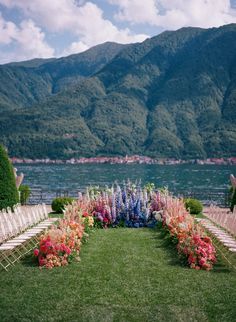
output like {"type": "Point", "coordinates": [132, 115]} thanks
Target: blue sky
{"type": "Point", "coordinates": [54, 28]}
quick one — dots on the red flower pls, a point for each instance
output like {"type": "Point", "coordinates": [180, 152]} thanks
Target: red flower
{"type": "Point", "coordinates": [207, 239]}
{"type": "Point", "coordinates": [36, 252]}
{"type": "Point", "coordinates": [42, 261]}
{"type": "Point", "coordinates": [43, 248]}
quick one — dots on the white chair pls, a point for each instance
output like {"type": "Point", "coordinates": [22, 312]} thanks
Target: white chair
{"type": "Point", "coordinates": [20, 231]}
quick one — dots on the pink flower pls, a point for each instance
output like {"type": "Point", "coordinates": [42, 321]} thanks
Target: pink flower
{"type": "Point", "coordinates": [68, 250]}
{"type": "Point", "coordinates": [64, 262]}
{"type": "Point", "coordinates": [57, 247]}
{"type": "Point", "coordinates": [202, 261]}
{"type": "Point", "coordinates": [48, 244]}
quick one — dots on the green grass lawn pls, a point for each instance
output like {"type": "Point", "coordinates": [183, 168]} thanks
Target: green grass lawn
{"type": "Point", "coordinates": [124, 275]}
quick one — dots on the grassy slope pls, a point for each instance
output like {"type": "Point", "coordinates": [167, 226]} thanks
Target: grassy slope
{"type": "Point", "coordinates": [124, 275]}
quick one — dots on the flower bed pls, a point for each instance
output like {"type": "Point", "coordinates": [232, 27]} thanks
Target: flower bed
{"type": "Point", "coordinates": [61, 244]}
{"type": "Point", "coordinates": [127, 206]}
{"type": "Point", "coordinates": [192, 242]}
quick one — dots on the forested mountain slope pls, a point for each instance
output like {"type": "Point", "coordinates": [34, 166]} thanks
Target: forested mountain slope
{"type": "Point", "coordinates": [173, 95]}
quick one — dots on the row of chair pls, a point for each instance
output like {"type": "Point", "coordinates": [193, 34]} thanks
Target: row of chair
{"type": "Point", "coordinates": [20, 230]}
{"type": "Point", "coordinates": [14, 222]}
{"type": "Point", "coordinates": [219, 234]}
{"type": "Point", "coordinates": [222, 218]}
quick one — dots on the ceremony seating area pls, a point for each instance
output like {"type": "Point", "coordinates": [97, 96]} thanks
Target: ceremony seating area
{"type": "Point", "coordinates": [223, 218]}
{"type": "Point", "coordinates": [19, 231]}
{"type": "Point", "coordinates": [223, 237]}
{"type": "Point", "coordinates": [222, 225]}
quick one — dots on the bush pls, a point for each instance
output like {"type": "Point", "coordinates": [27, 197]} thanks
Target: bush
{"type": "Point", "coordinates": [58, 204]}
{"type": "Point", "coordinates": [24, 194]}
{"type": "Point", "coordinates": [194, 206]}
{"type": "Point", "coordinates": [9, 195]}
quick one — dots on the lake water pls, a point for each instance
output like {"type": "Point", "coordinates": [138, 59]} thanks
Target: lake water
{"type": "Point", "coordinates": [178, 178]}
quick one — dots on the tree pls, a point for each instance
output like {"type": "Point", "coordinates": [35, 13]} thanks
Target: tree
{"type": "Point", "coordinates": [233, 200]}
{"type": "Point", "coordinates": [9, 195]}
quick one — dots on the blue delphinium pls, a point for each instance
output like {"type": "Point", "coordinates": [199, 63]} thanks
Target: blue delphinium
{"type": "Point", "coordinates": [129, 205]}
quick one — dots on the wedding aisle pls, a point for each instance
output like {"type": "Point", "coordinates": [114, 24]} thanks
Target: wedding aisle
{"type": "Point", "coordinates": [124, 275]}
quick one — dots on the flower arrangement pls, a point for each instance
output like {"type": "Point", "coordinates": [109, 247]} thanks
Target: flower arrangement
{"type": "Point", "coordinates": [192, 242]}
{"type": "Point", "coordinates": [61, 244]}
{"type": "Point", "coordinates": [52, 250]}
{"type": "Point", "coordinates": [128, 205]}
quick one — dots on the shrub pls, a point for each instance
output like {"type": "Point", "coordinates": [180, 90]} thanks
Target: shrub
{"type": "Point", "coordinates": [194, 206]}
{"type": "Point", "coordinates": [58, 204]}
{"type": "Point", "coordinates": [9, 195]}
{"type": "Point", "coordinates": [24, 194]}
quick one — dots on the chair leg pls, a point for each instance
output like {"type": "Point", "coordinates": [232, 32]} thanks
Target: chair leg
{"type": "Point", "coordinates": [4, 261]}
{"type": "Point", "coordinates": [9, 256]}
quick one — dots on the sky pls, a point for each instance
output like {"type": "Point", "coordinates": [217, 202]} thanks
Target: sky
{"type": "Point", "coordinates": [54, 28]}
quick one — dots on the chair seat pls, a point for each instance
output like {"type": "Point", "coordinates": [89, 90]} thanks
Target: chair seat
{"type": "Point", "coordinates": [15, 240]}
{"type": "Point", "coordinates": [7, 247]}
{"type": "Point", "coordinates": [21, 237]}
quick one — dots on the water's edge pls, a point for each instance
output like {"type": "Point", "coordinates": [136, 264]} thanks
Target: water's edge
{"type": "Point", "coordinates": [51, 180]}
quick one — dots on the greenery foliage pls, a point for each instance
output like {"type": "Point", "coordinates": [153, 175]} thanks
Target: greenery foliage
{"type": "Point", "coordinates": [24, 194]}
{"type": "Point", "coordinates": [194, 206]}
{"type": "Point", "coordinates": [150, 187]}
{"type": "Point", "coordinates": [59, 203]}
{"type": "Point", "coordinates": [8, 192]}
{"type": "Point", "coordinates": [170, 96]}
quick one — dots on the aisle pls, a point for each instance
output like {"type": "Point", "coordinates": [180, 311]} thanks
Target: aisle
{"type": "Point", "coordinates": [124, 275]}
{"type": "Point", "coordinates": [135, 275]}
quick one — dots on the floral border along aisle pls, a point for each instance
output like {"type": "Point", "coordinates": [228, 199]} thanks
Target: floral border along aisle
{"type": "Point", "coordinates": [192, 242]}
{"type": "Point", "coordinates": [61, 244]}
{"type": "Point", "coordinates": [130, 206]}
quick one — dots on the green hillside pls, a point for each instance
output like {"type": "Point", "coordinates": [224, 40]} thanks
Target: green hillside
{"type": "Point", "coordinates": [173, 95]}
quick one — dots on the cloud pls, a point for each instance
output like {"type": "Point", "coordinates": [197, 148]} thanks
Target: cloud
{"type": "Point", "coordinates": [32, 42]}
{"type": "Point", "coordinates": [82, 19]}
{"type": "Point", "coordinates": [136, 11]}
{"type": "Point", "coordinates": [74, 48]}
{"type": "Point", "coordinates": [7, 31]}
{"type": "Point", "coordinates": [176, 13]}
{"type": "Point", "coordinates": [27, 39]}
{"type": "Point", "coordinates": [84, 22]}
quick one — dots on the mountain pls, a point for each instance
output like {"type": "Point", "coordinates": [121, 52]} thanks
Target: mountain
{"type": "Point", "coordinates": [173, 95]}
{"type": "Point", "coordinates": [36, 62]}
{"type": "Point", "coordinates": [23, 84]}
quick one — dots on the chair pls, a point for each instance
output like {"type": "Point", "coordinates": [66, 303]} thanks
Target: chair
{"type": "Point", "coordinates": [20, 231]}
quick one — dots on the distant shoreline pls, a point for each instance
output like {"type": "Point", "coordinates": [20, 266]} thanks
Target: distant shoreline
{"type": "Point", "coordinates": [136, 159]}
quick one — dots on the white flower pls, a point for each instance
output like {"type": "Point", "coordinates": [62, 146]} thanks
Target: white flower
{"type": "Point", "coordinates": [158, 215]}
